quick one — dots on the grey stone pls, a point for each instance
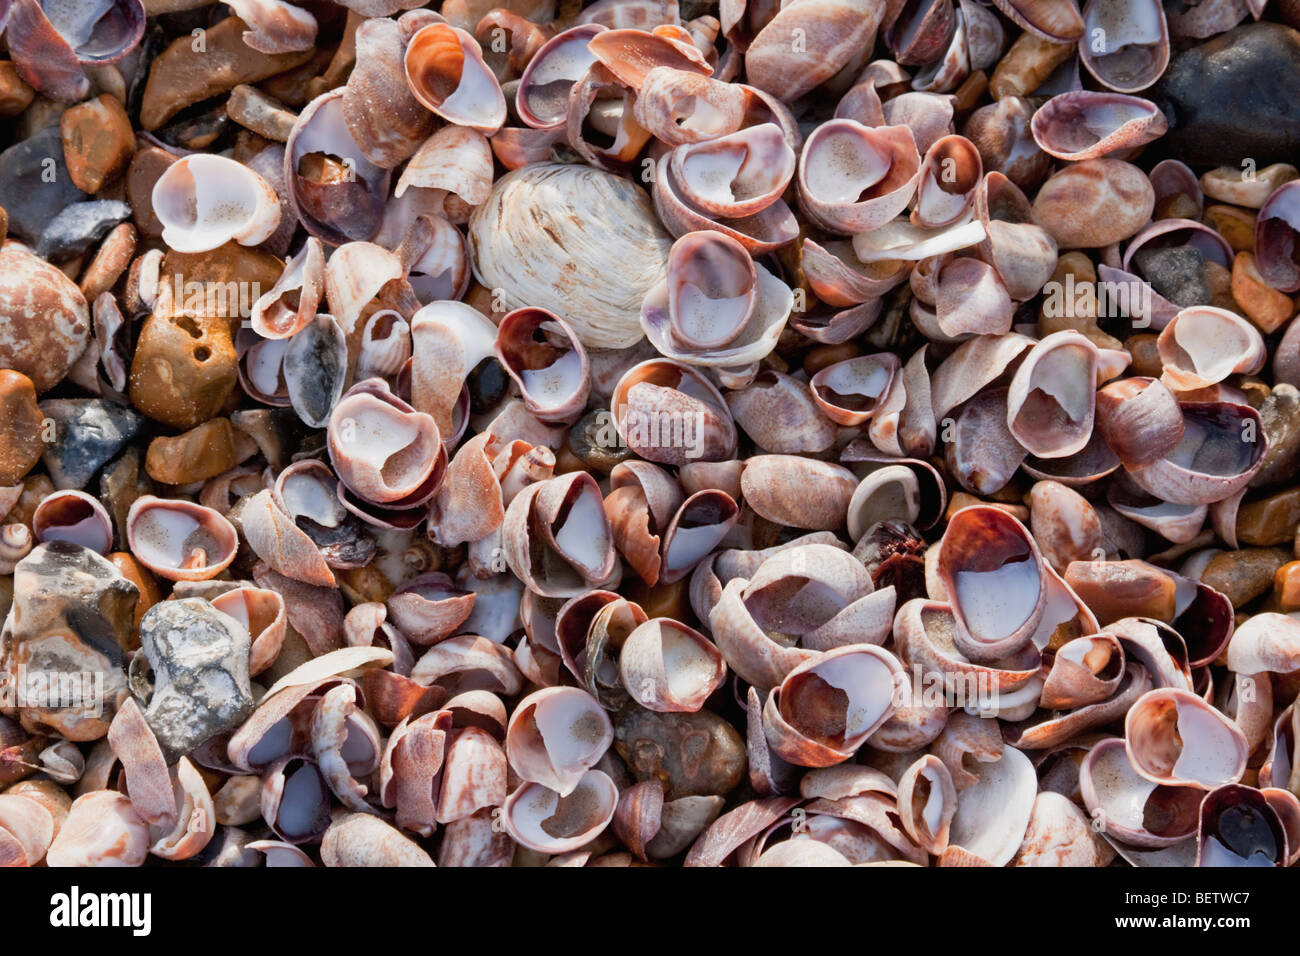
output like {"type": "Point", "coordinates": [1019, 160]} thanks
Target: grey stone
{"type": "Point", "coordinates": [1280, 416]}
{"type": "Point", "coordinates": [78, 227]}
{"type": "Point", "coordinates": [88, 432]}
{"type": "Point", "coordinates": [1177, 273]}
{"type": "Point", "coordinates": [35, 184]}
{"type": "Point", "coordinates": [199, 658]}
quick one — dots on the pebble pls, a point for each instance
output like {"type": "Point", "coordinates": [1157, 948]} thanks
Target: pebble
{"type": "Point", "coordinates": [88, 433]}
{"type": "Point", "coordinates": [44, 321]}
{"type": "Point", "coordinates": [1270, 521]}
{"type": "Point", "coordinates": [110, 263]}
{"type": "Point", "coordinates": [1258, 301]}
{"type": "Point", "coordinates": [147, 166]}
{"type": "Point", "coordinates": [73, 613]}
{"type": "Point", "coordinates": [1286, 587]}
{"type": "Point", "coordinates": [15, 95]}
{"type": "Point", "coordinates": [264, 115]}
{"type": "Point", "coordinates": [697, 754]}
{"type": "Point", "coordinates": [178, 77]}
{"type": "Point", "coordinates": [97, 141]}
{"type": "Point", "coordinates": [1235, 225]}
{"type": "Point", "coordinates": [183, 370]}
{"type": "Point", "coordinates": [1177, 273]}
{"type": "Point", "coordinates": [1280, 417]}
{"type": "Point", "coordinates": [34, 183]}
{"type": "Point", "coordinates": [1245, 574]}
{"type": "Point", "coordinates": [1221, 112]}
{"type": "Point", "coordinates": [78, 227]}
{"type": "Point", "coordinates": [20, 439]}
{"type": "Point", "coordinates": [123, 481]}
{"type": "Point", "coordinates": [204, 451]}
{"type": "Point", "coordinates": [199, 658]}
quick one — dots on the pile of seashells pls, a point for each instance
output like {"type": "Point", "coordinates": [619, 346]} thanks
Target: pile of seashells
{"type": "Point", "coordinates": [687, 432]}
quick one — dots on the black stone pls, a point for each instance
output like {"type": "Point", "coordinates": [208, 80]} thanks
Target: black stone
{"type": "Point", "coordinates": [35, 184]}
{"type": "Point", "coordinates": [1235, 97]}
{"type": "Point", "coordinates": [88, 432]}
{"type": "Point", "coordinates": [78, 227]}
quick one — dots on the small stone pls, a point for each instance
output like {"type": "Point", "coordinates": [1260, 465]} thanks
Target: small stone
{"type": "Point", "coordinates": [120, 484]}
{"type": "Point", "coordinates": [1234, 97]}
{"type": "Point", "coordinates": [15, 95]}
{"type": "Point", "coordinates": [1260, 302]}
{"type": "Point", "coordinates": [1280, 417]}
{"type": "Point", "coordinates": [277, 432]}
{"type": "Point", "coordinates": [179, 77]}
{"type": "Point", "coordinates": [97, 141]}
{"type": "Point", "coordinates": [1235, 225]}
{"type": "Point", "coordinates": [183, 370]}
{"type": "Point", "coordinates": [1286, 587]}
{"type": "Point", "coordinates": [147, 167]}
{"type": "Point", "coordinates": [72, 615]}
{"type": "Point", "coordinates": [1270, 521]}
{"type": "Point", "coordinates": [1146, 356]}
{"type": "Point", "coordinates": [196, 132]}
{"type": "Point", "coordinates": [1177, 273]}
{"type": "Point", "coordinates": [1245, 574]}
{"type": "Point", "coordinates": [204, 451]}
{"type": "Point", "coordinates": [78, 227]}
{"type": "Point", "coordinates": [150, 594]}
{"type": "Point", "coordinates": [88, 432]}
{"type": "Point", "coordinates": [20, 439]}
{"type": "Point", "coordinates": [110, 262]}
{"type": "Point", "coordinates": [254, 110]}
{"type": "Point", "coordinates": [697, 754]}
{"type": "Point", "coordinates": [224, 282]}
{"type": "Point", "coordinates": [199, 658]}
{"type": "Point", "coordinates": [44, 321]}
{"type": "Point", "coordinates": [34, 183]}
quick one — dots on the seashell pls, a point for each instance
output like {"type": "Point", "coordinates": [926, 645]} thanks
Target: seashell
{"type": "Point", "coordinates": [927, 801]}
{"type": "Point", "coordinates": [1266, 643]}
{"type": "Point", "coordinates": [26, 830]}
{"type": "Point", "coordinates": [73, 516]}
{"type": "Point", "coordinates": [1134, 809]}
{"type": "Point", "coordinates": [834, 32]}
{"type": "Point", "coordinates": [1158, 648]}
{"type": "Point", "coordinates": [1240, 826]}
{"type": "Point", "coordinates": [991, 568]}
{"type": "Point", "coordinates": [556, 537]}
{"type": "Point", "coordinates": [970, 300]}
{"type": "Point", "coordinates": [262, 613]}
{"type": "Point", "coordinates": [921, 31]}
{"type": "Point", "coordinates": [143, 767]}
{"type": "Point", "coordinates": [855, 179]}
{"type": "Point", "coordinates": [276, 26]}
{"type": "Point", "coordinates": [314, 367]}
{"type": "Point", "coordinates": [295, 800]}
{"type": "Point", "coordinates": [428, 608]}
{"type": "Point", "coordinates": [542, 97]}
{"type": "Point", "coordinates": [839, 279]}
{"type": "Point", "coordinates": [346, 744]}
{"type": "Point", "coordinates": [385, 119]}
{"type": "Point", "coordinates": [437, 268]}
{"type": "Point", "coordinates": [179, 540]}
{"type": "Point", "coordinates": [543, 356]}
{"type": "Point", "coordinates": [556, 736]}
{"type": "Point", "coordinates": [982, 453]}
{"type": "Point", "coordinates": [1204, 345]}
{"type": "Point", "coordinates": [1175, 738]}
{"type": "Point", "coordinates": [1002, 132]}
{"type": "Point", "coordinates": [1125, 46]}
{"type": "Point", "coordinates": [1066, 204]}
{"type": "Point", "coordinates": [1051, 400]}
{"type": "Point", "coordinates": [849, 392]}
{"type": "Point", "coordinates": [1087, 125]}
{"type": "Point", "coordinates": [779, 415]}
{"type": "Point", "coordinates": [716, 307]}
{"type": "Point", "coordinates": [336, 192]}
{"type": "Point", "coordinates": [361, 839]}
{"type": "Point", "coordinates": [681, 106]}
{"type": "Point", "coordinates": [371, 431]}
{"type": "Point", "coordinates": [446, 73]}
{"type": "Point", "coordinates": [195, 817]}
{"type": "Point", "coordinates": [950, 175]}
{"type": "Point", "coordinates": [901, 240]}
{"type": "Point", "coordinates": [600, 219]}
{"type": "Point", "coordinates": [598, 99]}
{"type": "Point", "coordinates": [736, 175]}
{"type": "Point", "coordinates": [994, 810]}
{"type": "Point", "coordinates": [798, 492]}
{"type": "Point", "coordinates": [204, 201]}
{"type": "Point", "coordinates": [808, 724]}
{"type": "Point", "coordinates": [670, 413]}
{"type": "Point", "coordinates": [291, 303]}
{"type": "Point", "coordinates": [1139, 419]}
{"type": "Point", "coordinates": [101, 829]}
{"type": "Point", "coordinates": [666, 666]}
{"type": "Point", "coordinates": [1211, 462]}
{"type": "Point", "coordinates": [448, 339]}
{"type": "Point", "coordinates": [924, 633]}
{"type": "Point", "coordinates": [455, 159]}
{"type": "Point", "coordinates": [549, 822]}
